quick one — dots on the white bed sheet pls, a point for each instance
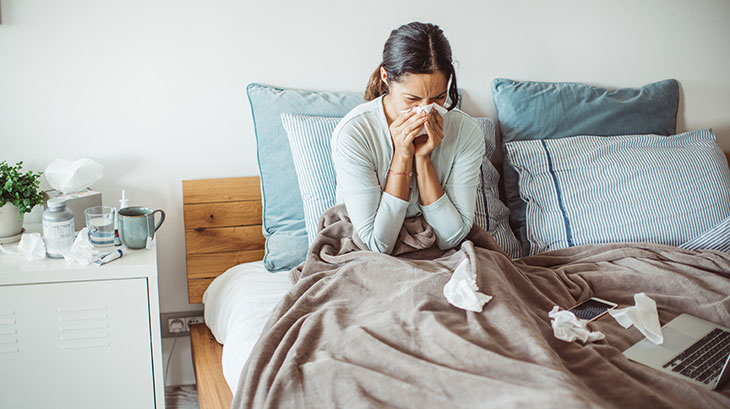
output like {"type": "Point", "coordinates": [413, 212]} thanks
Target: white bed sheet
{"type": "Point", "coordinates": [237, 305]}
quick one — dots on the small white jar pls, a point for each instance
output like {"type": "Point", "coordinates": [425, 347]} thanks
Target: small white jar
{"type": "Point", "coordinates": [58, 228]}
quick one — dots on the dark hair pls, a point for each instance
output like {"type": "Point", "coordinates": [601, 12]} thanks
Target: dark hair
{"type": "Point", "coordinates": [414, 48]}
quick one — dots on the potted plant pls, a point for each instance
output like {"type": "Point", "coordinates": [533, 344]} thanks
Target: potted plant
{"type": "Point", "coordinates": [19, 193]}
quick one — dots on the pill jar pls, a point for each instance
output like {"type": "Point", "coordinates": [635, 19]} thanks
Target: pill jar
{"type": "Point", "coordinates": [58, 228]}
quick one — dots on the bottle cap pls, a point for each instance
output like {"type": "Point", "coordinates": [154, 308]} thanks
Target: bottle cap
{"type": "Point", "coordinates": [124, 202]}
{"type": "Point", "coordinates": [56, 203]}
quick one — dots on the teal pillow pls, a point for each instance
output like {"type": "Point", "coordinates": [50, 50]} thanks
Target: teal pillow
{"type": "Point", "coordinates": [283, 217]}
{"type": "Point", "coordinates": [529, 110]}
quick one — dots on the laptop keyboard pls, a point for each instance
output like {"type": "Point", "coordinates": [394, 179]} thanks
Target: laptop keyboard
{"type": "Point", "coordinates": [703, 360]}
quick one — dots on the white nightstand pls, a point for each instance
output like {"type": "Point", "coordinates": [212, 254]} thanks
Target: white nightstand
{"type": "Point", "coordinates": [74, 336]}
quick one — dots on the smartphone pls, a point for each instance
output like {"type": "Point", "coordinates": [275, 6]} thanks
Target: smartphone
{"type": "Point", "coordinates": [592, 309]}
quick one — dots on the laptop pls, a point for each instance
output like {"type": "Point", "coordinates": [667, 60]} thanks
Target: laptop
{"type": "Point", "coordinates": [695, 350]}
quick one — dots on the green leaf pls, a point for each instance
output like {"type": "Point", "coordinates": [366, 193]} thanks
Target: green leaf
{"type": "Point", "coordinates": [19, 188]}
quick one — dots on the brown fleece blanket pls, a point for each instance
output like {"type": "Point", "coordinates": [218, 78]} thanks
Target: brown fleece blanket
{"type": "Point", "coordinates": [361, 329]}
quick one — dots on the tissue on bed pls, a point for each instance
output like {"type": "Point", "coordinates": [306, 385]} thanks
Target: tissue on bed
{"type": "Point", "coordinates": [567, 327]}
{"type": "Point", "coordinates": [461, 291]}
{"type": "Point", "coordinates": [643, 315]}
{"type": "Point", "coordinates": [70, 177]}
{"type": "Point", "coordinates": [427, 110]}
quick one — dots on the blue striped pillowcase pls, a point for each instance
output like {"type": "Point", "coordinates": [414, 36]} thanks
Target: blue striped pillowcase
{"type": "Point", "coordinates": [491, 214]}
{"type": "Point", "coordinates": [629, 188]}
{"type": "Point", "coordinates": [309, 141]}
{"type": "Point", "coordinates": [717, 238]}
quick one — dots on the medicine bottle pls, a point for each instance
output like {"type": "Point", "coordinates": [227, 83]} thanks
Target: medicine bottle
{"type": "Point", "coordinates": [58, 228]}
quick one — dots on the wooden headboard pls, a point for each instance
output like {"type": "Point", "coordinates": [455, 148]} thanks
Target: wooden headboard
{"type": "Point", "coordinates": [222, 228]}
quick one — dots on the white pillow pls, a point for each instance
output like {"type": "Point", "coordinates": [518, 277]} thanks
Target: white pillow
{"type": "Point", "coordinates": [630, 188]}
{"type": "Point", "coordinates": [309, 140]}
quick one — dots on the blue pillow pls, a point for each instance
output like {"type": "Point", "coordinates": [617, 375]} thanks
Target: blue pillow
{"type": "Point", "coordinates": [309, 140]}
{"type": "Point", "coordinates": [542, 110]}
{"type": "Point", "coordinates": [283, 217]}
{"type": "Point", "coordinates": [631, 188]}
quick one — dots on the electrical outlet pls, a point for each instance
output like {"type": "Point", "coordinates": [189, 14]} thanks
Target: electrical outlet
{"type": "Point", "coordinates": [194, 320]}
{"type": "Point", "coordinates": [177, 324]}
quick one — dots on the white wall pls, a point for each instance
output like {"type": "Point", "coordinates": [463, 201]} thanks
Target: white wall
{"type": "Point", "coordinates": [154, 90]}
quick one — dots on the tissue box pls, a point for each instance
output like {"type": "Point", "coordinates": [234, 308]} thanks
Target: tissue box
{"type": "Point", "coordinates": [76, 202]}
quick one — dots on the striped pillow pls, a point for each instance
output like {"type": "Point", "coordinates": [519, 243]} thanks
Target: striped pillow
{"type": "Point", "coordinates": [309, 140]}
{"type": "Point", "coordinates": [491, 214]}
{"type": "Point", "coordinates": [717, 238]}
{"type": "Point", "coordinates": [629, 188]}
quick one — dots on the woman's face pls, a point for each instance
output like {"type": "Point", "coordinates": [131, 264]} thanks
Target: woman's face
{"type": "Point", "coordinates": [416, 90]}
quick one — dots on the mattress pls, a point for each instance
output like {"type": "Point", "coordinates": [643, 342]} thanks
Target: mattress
{"type": "Point", "coordinates": [237, 305]}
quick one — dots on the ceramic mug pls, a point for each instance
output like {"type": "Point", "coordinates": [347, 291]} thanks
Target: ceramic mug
{"type": "Point", "coordinates": [137, 225]}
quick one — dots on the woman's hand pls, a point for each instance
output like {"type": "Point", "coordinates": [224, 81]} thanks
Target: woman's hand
{"type": "Point", "coordinates": [404, 130]}
{"type": "Point", "coordinates": [425, 144]}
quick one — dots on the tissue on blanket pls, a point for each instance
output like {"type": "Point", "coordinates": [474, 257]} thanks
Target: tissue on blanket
{"type": "Point", "coordinates": [427, 110]}
{"type": "Point", "coordinates": [31, 246]}
{"type": "Point", "coordinates": [461, 291]}
{"type": "Point", "coordinates": [567, 327]}
{"type": "Point", "coordinates": [643, 315]}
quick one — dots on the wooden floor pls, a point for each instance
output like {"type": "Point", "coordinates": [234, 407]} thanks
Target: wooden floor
{"type": "Point", "coordinates": [213, 391]}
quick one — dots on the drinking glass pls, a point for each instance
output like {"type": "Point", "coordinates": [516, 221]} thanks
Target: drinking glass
{"type": "Point", "coordinates": [100, 221]}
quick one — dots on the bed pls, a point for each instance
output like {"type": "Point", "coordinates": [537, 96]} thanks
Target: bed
{"type": "Point", "coordinates": [223, 235]}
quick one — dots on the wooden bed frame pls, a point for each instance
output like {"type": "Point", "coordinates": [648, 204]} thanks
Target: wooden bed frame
{"type": "Point", "coordinates": [222, 229]}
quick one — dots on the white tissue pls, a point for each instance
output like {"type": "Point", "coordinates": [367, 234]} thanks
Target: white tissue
{"type": "Point", "coordinates": [461, 291]}
{"type": "Point", "coordinates": [427, 110]}
{"type": "Point", "coordinates": [72, 177]}
{"type": "Point", "coordinates": [82, 251]}
{"type": "Point", "coordinates": [643, 315]}
{"type": "Point", "coordinates": [31, 246]}
{"type": "Point", "coordinates": [567, 327]}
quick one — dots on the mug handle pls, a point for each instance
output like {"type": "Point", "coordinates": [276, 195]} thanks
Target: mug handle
{"type": "Point", "coordinates": [162, 219]}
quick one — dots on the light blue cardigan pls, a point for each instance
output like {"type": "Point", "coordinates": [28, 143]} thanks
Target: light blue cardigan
{"type": "Point", "coordinates": [362, 152]}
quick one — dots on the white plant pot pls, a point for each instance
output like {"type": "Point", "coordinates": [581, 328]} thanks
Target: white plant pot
{"type": "Point", "coordinates": [10, 223]}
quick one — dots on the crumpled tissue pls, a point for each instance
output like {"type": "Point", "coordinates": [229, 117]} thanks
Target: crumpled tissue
{"type": "Point", "coordinates": [461, 291]}
{"type": "Point", "coordinates": [82, 251]}
{"type": "Point", "coordinates": [427, 110]}
{"type": "Point", "coordinates": [567, 327]}
{"type": "Point", "coordinates": [72, 177]}
{"type": "Point", "coordinates": [31, 246]}
{"type": "Point", "coordinates": [643, 315]}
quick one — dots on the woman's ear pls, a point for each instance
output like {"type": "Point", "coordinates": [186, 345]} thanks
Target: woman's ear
{"type": "Point", "coordinates": [383, 75]}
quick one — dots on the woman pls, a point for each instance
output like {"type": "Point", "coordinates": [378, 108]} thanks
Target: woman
{"type": "Point", "coordinates": [385, 171]}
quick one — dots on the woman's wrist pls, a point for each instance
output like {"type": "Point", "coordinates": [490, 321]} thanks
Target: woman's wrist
{"type": "Point", "coordinates": [429, 187]}
{"type": "Point", "coordinates": [403, 156]}
{"type": "Point", "coordinates": [421, 160]}
{"type": "Point", "coordinates": [401, 164]}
